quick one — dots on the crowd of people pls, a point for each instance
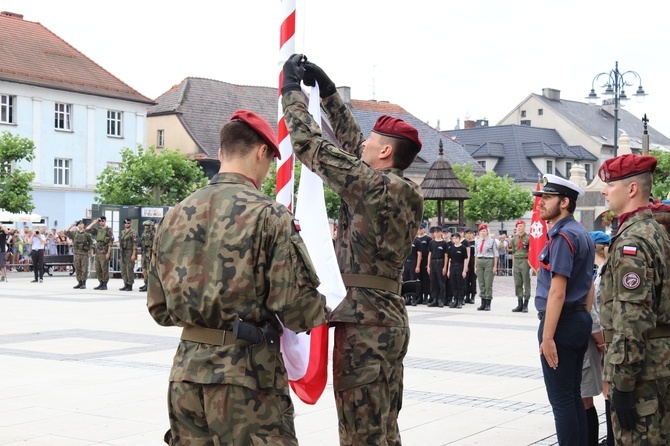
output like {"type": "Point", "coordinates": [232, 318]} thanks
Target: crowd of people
{"type": "Point", "coordinates": [16, 246]}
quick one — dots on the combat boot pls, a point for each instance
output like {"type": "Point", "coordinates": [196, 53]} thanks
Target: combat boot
{"type": "Point", "coordinates": [144, 288]}
{"type": "Point", "coordinates": [440, 303]}
{"type": "Point", "coordinates": [77, 286]}
{"type": "Point", "coordinates": [83, 285]}
{"type": "Point", "coordinates": [103, 286]}
{"type": "Point", "coordinates": [412, 299]}
{"type": "Point", "coordinates": [129, 287]}
{"type": "Point", "coordinates": [99, 287]}
{"type": "Point", "coordinates": [453, 303]}
{"type": "Point", "coordinates": [519, 307]}
{"type": "Point", "coordinates": [482, 306]}
{"type": "Point", "coordinates": [432, 304]}
{"type": "Point", "coordinates": [525, 306]}
{"type": "Point", "coordinates": [459, 302]}
{"type": "Point", "coordinates": [488, 305]}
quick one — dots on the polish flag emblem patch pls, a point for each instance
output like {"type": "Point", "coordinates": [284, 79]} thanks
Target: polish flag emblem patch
{"type": "Point", "coordinates": [629, 250]}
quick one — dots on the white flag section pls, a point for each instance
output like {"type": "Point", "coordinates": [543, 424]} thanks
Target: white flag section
{"type": "Point", "coordinates": [310, 211]}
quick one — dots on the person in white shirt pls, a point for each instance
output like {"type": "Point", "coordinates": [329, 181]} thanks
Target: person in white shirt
{"type": "Point", "coordinates": [37, 242]}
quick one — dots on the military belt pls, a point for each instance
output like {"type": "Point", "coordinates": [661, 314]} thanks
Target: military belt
{"type": "Point", "coordinates": [210, 336]}
{"type": "Point", "coordinates": [370, 281]}
{"type": "Point", "coordinates": [661, 331]}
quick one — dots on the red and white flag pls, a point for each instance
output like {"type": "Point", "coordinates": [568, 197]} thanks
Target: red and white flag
{"type": "Point", "coordinates": [538, 234]}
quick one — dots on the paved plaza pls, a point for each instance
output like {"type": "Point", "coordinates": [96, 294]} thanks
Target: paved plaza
{"type": "Point", "coordinates": [91, 367]}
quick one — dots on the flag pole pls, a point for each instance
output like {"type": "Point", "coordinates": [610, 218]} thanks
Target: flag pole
{"type": "Point", "coordinates": [284, 184]}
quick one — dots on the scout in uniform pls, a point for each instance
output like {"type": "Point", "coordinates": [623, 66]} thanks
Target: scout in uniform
{"type": "Point", "coordinates": [486, 263]}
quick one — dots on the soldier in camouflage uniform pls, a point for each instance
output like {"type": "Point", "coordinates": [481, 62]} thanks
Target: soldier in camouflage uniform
{"type": "Point", "coordinates": [635, 307]}
{"type": "Point", "coordinates": [82, 242]}
{"type": "Point", "coordinates": [225, 253]}
{"type": "Point", "coordinates": [104, 237]}
{"type": "Point", "coordinates": [380, 214]}
{"type": "Point", "coordinates": [128, 245]}
{"type": "Point", "coordinates": [519, 249]}
{"type": "Point", "coordinates": [146, 244]}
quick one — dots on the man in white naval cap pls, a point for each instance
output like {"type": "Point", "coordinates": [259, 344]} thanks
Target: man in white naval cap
{"type": "Point", "coordinates": [563, 284]}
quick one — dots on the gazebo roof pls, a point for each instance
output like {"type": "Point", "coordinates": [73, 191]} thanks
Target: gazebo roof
{"type": "Point", "coordinates": [441, 183]}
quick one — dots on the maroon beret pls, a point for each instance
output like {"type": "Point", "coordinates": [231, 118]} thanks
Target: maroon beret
{"type": "Point", "coordinates": [520, 222]}
{"type": "Point", "coordinates": [483, 226]}
{"type": "Point", "coordinates": [625, 166]}
{"type": "Point", "coordinates": [659, 207]}
{"type": "Point", "coordinates": [397, 128]}
{"type": "Point", "coordinates": [260, 126]}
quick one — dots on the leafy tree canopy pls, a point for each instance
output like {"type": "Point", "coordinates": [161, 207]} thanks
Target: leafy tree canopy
{"type": "Point", "coordinates": [148, 178]}
{"type": "Point", "coordinates": [661, 175]}
{"type": "Point", "coordinates": [14, 181]}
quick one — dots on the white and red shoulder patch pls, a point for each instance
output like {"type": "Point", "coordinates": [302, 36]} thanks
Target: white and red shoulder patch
{"type": "Point", "coordinates": [296, 224]}
{"type": "Point", "coordinates": [631, 281]}
{"type": "Point", "coordinates": [629, 250]}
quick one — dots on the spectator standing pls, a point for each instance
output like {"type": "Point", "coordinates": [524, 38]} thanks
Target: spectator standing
{"type": "Point", "coordinates": [37, 246]}
{"type": "Point", "coordinates": [4, 234]}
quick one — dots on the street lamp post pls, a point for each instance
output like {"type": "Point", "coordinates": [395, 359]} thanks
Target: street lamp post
{"type": "Point", "coordinates": [615, 86]}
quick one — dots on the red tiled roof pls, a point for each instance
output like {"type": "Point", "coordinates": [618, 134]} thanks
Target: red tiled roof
{"type": "Point", "coordinates": [379, 107]}
{"type": "Point", "coordinates": [31, 54]}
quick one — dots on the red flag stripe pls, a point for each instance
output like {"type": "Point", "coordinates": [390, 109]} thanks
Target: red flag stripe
{"type": "Point", "coordinates": [284, 173]}
{"type": "Point", "coordinates": [287, 29]}
{"type": "Point", "coordinates": [282, 130]}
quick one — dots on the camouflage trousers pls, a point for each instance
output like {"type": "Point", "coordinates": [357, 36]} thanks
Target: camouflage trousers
{"type": "Point", "coordinates": [653, 408]}
{"type": "Point", "coordinates": [146, 260]}
{"type": "Point", "coordinates": [102, 267]}
{"type": "Point", "coordinates": [521, 279]}
{"type": "Point", "coordinates": [228, 415]}
{"type": "Point", "coordinates": [81, 266]}
{"type": "Point", "coordinates": [368, 382]}
{"type": "Point", "coordinates": [127, 266]}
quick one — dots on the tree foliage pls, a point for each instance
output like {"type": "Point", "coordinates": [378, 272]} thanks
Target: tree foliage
{"type": "Point", "coordinates": [493, 197]}
{"type": "Point", "coordinates": [14, 181]}
{"type": "Point", "coordinates": [269, 187]}
{"type": "Point", "coordinates": [661, 175]}
{"type": "Point", "coordinates": [148, 178]}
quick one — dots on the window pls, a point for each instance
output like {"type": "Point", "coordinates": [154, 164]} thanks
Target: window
{"type": "Point", "coordinates": [161, 138]}
{"type": "Point", "coordinates": [525, 122]}
{"type": "Point", "coordinates": [7, 109]}
{"type": "Point", "coordinates": [62, 171]}
{"type": "Point", "coordinates": [482, 163]}
{"type": "Point", "coordinates": [550, 167]}
{"type": "Point", "coordinates": [568, 166]}
{"type": "Point", "coordinates": [63, 117]}
{"type": "Point", "coordinates": [114, 123]}
{"type": "Point", "coordinates": [587, 167]}
{"type": "Point", "coordinates": [523, 113]}
{"type": "Point", "coordinates": [540, 111]}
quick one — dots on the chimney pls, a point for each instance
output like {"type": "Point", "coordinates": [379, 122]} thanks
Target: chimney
{"type": "Point", "coordinates": [551, 93]}
{"type": "Point", "coordinates": [12, 14]}
{"type": "Point", "coordinates": [345, 92]}
{"type": "Point", "coordinates": [482, 123]}
{"type": "Point", "coordinates": [469, 124]}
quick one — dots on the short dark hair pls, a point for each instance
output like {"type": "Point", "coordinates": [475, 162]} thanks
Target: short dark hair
{"type": "Point", "coordinates": [572, 205]}
{"type": "Point", "coordinates": [404, 151]}
{"type": "Point", "coordinates": [237, 139]}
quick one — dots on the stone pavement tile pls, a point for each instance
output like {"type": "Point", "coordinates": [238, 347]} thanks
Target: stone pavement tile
{"type": "Point", "coordinates": [50, 440]}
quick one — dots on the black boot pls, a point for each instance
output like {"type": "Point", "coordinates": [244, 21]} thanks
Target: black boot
{"type": "Point", "coordinates": [440, 303]}
{"type": "Point", "coordinates": [103, 286]}
{"type": "Point", "coordinates": [525, 306]}
{"type": "Point", "coordinates": [125, 287]}
{"type": "Point", "coordinates": [77, 286]}
{"type": "Point", "coordinates": [99, 287]}
{"type": "Point", "coordinates": [519, 307]}
{"type": "Point", "coordinates": [83, 285]}
{"type": "Point", "coordinates": [488, 305]}
{"type": "Point", "coordinates": [459, 302]}
{"type": "Point", "coordinates": [412, 298]}
{"type": "Point", "coordinates": [453, 303]}
{"type": "Point", "coordinates": [129, 287]}
{"type": "Point", "coordinates": [432, 303]}
{"type": "Point", "coordinates": [482, 306]}
{"type": "Point", "coordinates": [144, 288]}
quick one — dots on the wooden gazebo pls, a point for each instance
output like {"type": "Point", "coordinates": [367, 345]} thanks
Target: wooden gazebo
{"type": "Point", "coordinates": [441, 183]}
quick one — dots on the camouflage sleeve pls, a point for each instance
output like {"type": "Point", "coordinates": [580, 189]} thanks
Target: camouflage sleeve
{"type": "Point", "coordinates": [292, 294]}
{"type": "Point", "coordinates": [632, 310]}
{"type": "Point", "coordinates": [156, 294]}
{"type": "Point", "coordinates": [347, 131]}
{"type": "Point", "coordinates": [343, 172]}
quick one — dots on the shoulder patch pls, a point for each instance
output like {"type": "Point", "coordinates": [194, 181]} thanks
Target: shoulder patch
{"type": "Point", "coordinates": [631, 281]}
{"type": "Point", "coordinates": [629, 250]}
{"type": "Point", "coordinates": [296, 224]}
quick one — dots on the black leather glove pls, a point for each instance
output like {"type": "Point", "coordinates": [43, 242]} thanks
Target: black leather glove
{"type": "Point", "coordinates": [314, 74]}
{"type": "Point", "coordinates": [294, 70]}
{"type": "Point", "coordinates": [624, 407]}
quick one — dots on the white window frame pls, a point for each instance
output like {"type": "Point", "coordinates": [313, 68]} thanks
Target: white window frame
{"type": "Point", "coordinates": [568, 166]}
{"type": "Point", "coordinates": [588, 173]}
{"type": "Point", "coordinates": [160, 138]}
{"type": "Point", "coordinates": [115, 123]}
{"type": "Point", "coordinates": [482, 163]}
{"type": "Point", "coordinates": [62, 172]}
{"type": "Point", "coordinates": [7, 109]}
{"type": "Point", "coordinates": [63, 116]}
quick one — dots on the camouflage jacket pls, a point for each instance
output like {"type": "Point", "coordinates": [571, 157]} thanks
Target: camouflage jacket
{"type": "Point", "coordinates": [635, 289]}
{"type": "Point", "coordinates": [82, 242]}
{"type": "Point", "coordinates": [147, 240]}
{"type": "Point", "coordinates": [128, 240]}
{"type": "Point", "coordinates": [380, 210]}
{"type": "Point", "coordinates": [228, 252]}
{"type": "Point", "coordinates": [103, 239]}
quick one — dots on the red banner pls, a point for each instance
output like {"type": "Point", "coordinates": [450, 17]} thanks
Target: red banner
{"type": "Point", "coordinates": [538, 234]}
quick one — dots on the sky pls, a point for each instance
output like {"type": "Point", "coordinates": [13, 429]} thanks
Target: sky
{"type": "Point", "coordinates": [442, 61]}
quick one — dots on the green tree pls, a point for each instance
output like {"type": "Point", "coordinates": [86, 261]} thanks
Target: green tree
{"type": "Point", "coordinates": [661, 175]}
{"type": "Point", "coordinates": [148, 178]}
{"type": "Point", "coordinates": [493, 197]}
{"type": "Point", "coordinates": [269, 188]}
{"type": "Point", "coordinates": [14, 181]}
